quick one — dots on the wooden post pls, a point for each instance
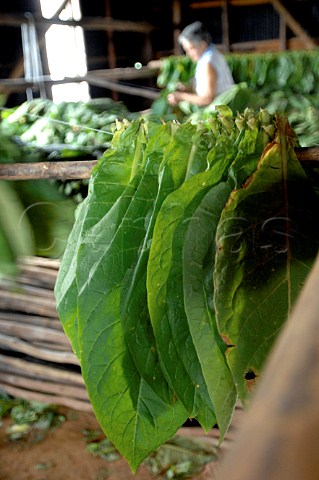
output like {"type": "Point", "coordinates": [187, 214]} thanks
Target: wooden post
{"type": "Point", "coordinates": [110, 46]}
{"type": "Point", "coordinates": [282, 33]}
{"type": "Point", "coordinates": [177, 18]}
{"type": "Point", "coordinates": [225, 26]}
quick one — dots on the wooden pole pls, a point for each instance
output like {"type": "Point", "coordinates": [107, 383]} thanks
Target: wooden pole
{"type": "Point", "coordinates": [88, 23]}
{"type": "Point", "coordinates": [177, 18]}
{"type": "Point", "coordinates": [225, 26]}
{"type": "Point", "coordinates": [309, 157]}
{"type": "Point", "coordinates": [279, 436]}
{"type": "Point", "coordinates": [110, 46]}
{"type": "Point", "coordinates": [40, 170]}
{"type": "Point", "coordinates": [282, 33]}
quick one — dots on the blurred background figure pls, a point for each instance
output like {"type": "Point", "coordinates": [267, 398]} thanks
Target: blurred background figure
{"type": "Point", "coordinates": [212, 73]}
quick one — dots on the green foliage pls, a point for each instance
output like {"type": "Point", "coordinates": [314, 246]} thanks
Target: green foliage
{"type": "Point", "coordinates": [80, 126]}
{"type": "Point", "coordinates": [28, 418]}
{"type": "Point", "coordinates": [281, 82]}
{"type": "Point", "coordinates": [36, 217]}
{"type": "Point", "coordinates": [175, 69]}
{"type": "Point", "coordinates": [295, 71]}
{"type": "Point", "coordinates": [183, 263]}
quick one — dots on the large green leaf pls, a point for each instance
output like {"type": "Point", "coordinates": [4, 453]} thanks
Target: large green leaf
{"type": "Point", "coordinates": [15, 230]}
{"type": "Point", "coordinates": [134, 310]}
{"type": "Point", "coordinates": [198, 266]}
{"type": "Point", "coordinates": [108, 182]}
{"type": "Point", "coordinates": [133, 416]}
{"type": "Point", "coordinates": [267, 240]}
{"type": "Point", "coordinates": [119, 384]}
{"type": "Point", "coordinates": [143, 273]}
{"type": "Point", "coordinates": [165, 296]}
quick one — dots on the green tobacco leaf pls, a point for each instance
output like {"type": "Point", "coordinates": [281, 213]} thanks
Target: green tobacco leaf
{"type": "Point", "coordinates": [131, 398]}
{"type": "Point", "coordinates": [134, 417]}
{"type": "Point", "coordinates": [165, 297]}
{"type": "Point", "coordinates": [134, 311]}
{"type": "Point", "coordinates": [15, 229]}
{"type": "Point", "coordinates": [202, 142]}
{"type": "Point", "coordinates": [198, 266]}
{"type": "Point", "coordinates": [179, 162]}
{"type": "Point", "coordinates": [267, 239]}
{"type": "Point", "coordinates": [249, 151]}
{"type": "Point", "coordinates": [108, 181]}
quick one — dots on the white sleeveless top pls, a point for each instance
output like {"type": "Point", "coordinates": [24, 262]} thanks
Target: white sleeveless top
{"type": "Point", "coordinates": [219, 63]}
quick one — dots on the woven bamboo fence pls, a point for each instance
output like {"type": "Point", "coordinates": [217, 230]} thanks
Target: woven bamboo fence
{"type": "Point", "coordinates": [36, 359]}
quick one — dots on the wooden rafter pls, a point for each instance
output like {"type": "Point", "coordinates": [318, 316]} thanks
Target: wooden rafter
{"type": "Point", "coordinates": [88, 23]}
{"type": "Point", "coordinates": [220, 3]}
{"type": "Point", "coordinates": [293, 24]}
{"type": "Point", "coordinates": [285, 16]}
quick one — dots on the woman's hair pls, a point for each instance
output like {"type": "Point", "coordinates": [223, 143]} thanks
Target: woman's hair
{"type": "Point", "coordinates": [195, 33]}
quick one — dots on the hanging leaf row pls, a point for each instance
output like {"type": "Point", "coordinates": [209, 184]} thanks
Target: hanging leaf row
{"type": "Point", "coordinates": [184, 262]}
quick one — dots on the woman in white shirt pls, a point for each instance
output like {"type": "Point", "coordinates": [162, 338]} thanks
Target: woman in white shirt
{"type": "Point", "coordinates": [212, 74]}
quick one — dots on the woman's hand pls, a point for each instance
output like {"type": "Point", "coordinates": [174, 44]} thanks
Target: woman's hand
{"type": "Point", "coordinates": [174, 97]}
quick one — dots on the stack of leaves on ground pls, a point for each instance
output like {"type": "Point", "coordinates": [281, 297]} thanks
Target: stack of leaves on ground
{"type": "Point", "coordinates": [183, 264]}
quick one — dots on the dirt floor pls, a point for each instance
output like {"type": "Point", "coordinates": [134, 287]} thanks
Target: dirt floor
{"type": "Point", "coordinates": [62, 454]}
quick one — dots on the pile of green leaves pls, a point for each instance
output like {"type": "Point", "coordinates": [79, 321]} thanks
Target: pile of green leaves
{"type": "Point", "coordinates": [78, 127]}
{"type": "Point", "coordinates": [28, 419]}
{"type": "Point", "coordinates": [286, 82]}
{"type": "Point", "coordinates": [183, 264]}
{"type": "Point", "coordinates": [48, 131]}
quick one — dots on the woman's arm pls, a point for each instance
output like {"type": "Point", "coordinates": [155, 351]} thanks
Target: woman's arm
{"type": "Point", "coordinates": [209, 91]}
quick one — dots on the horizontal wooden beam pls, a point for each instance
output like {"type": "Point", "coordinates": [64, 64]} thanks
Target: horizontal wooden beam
{"type": "Point", "coordinates": [127, 73]}
{"type": "Point", "coordinates": [82, 169]}
{"type": "Point", "coordinates": [88, 23]}
{"type": "Point", "coordinates": [43, 170]}
{"type": "Point", "coordinates": [104, 79]}
{"type": "Point", "coordinates": [75, 404]}
{"type": "Point", "coordinates": [221, 3]}
{"type": "Point", "coordinates": [98, 81]}
{"type": "Point", "coordinates": [272, 45]}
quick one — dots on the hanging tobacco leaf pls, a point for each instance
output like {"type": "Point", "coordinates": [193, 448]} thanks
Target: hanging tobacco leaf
{"type": "Point", "coordinates": [267, 239]}
{"type": "Point", "coordinates": [167, 322]}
